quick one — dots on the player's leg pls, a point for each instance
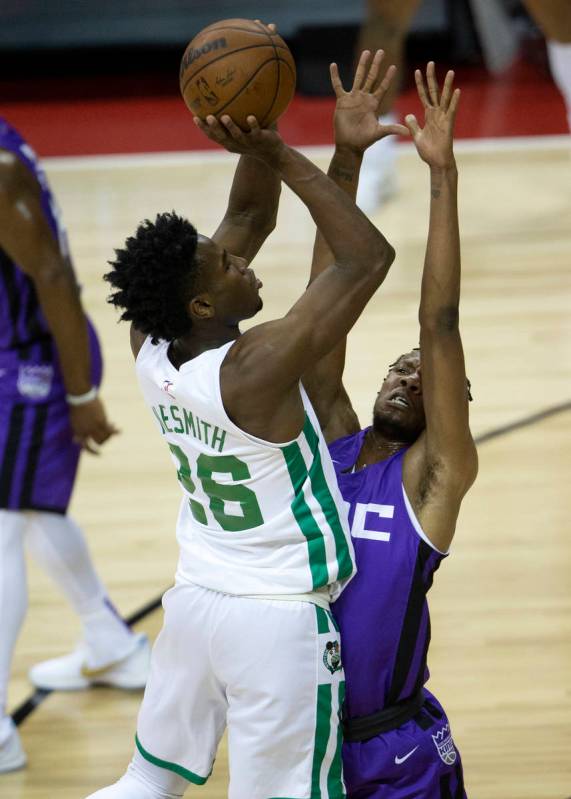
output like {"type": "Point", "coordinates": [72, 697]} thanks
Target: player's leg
{"type": "Point", "coordinates": [144, 781]}
{"type": "Point", "coordinates": [109, 652]}
{"type": "Point", "coordinates": [554, 19]}
{"type": "Point", "coordinates": [58, 545]}
{"type": "Point", "coordinates": [386, 25]}
{"type": "Point", "coordinates": [183, 713]}
{"type": "Point", "coordinates": [13, 604]}
{"type": "Point", "coordinates": [285, 688]}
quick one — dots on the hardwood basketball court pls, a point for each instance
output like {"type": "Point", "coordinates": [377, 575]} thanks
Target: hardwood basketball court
{"type": "Point", "coordinates": [501, 604]}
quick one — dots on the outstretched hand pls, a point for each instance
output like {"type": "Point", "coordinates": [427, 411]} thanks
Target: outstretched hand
{"type": "Point", "coordinates": [356, 120]}
{"type": "Point", "coordinates": [434, 141]}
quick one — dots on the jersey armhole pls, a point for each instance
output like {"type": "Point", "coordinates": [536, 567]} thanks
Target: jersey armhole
{"type": "Point", "coordinates": [142, 350]}
{"type": "Point", "coordinates": [416, 524]}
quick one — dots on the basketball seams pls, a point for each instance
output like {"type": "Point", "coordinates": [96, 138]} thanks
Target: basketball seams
{"type": "Point", "coordinates": [219, 58]}
{"type": "Point", "coordinates": [277, 87]}
{"type": "Point", "coordinates": [245, 86]}
{"type": "Point", "coordinates": [272, 79]}
{"type": "Point", "coordinates": [236, 28]}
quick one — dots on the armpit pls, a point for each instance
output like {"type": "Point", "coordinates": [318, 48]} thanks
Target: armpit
{"type": "Point", "coordinates": [428, 480]}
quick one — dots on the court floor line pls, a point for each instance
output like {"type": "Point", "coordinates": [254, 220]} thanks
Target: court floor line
{"type": "Point", "coordinates": [69, 163]}
{"type": "Point", "coordinates": [28, 706]}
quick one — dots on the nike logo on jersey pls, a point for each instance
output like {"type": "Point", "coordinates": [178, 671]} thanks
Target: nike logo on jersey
{"type": "Point", "coordinates": [399, 760]}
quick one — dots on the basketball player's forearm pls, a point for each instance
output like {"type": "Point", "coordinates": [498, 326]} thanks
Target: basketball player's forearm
{"type": "Point", "coordinates": [440, 292]}
{"type": "Point", "coordinates": [59, 298]}
{"type": "Point", "coordinates": [29, 242]}
{"type": "Point", "coordinates": [355, 243]}
{"type": "Point", "coordinates": [255, 194]}
{"type": "Point", "coordinates": [344, 171]}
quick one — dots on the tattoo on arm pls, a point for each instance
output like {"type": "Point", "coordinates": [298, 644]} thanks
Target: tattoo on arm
{"type": "Point", "coordinates": [435, 186]}
{"type": "Point", "coordinates": [342, 173]}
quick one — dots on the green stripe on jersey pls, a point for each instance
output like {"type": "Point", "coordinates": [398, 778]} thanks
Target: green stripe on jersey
{"type": "Point", "coordinates": [325, 499]}
{"type": "Point", "coordinates": [180, 770]}
{"type": "Point", "coordinates": [303, 516]}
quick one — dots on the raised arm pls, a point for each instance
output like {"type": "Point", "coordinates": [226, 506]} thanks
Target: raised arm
{"type": "Point", "coordinates": [253, 203]}
{"type": "Point", "coordinates": [260, 377]}
{"type": "Point", "coordinates": [442, 465]}
{"type": "Point", "coordinates": [356, 127]}
{"type": "Point", "coordinates": [252, 208]}
{"type": "Point", "coordinates": [27, 239]}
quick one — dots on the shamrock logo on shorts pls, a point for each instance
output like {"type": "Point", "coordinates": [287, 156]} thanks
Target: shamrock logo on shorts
{"type": "Point", "coordinates": [332, 656]}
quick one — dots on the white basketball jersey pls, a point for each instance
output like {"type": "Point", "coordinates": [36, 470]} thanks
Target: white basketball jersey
{"type": "Point", "coordinates": [256, 517]}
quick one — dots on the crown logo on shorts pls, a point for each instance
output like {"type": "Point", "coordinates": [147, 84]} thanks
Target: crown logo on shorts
{"type": "Point", "coordinates": [445, 745]}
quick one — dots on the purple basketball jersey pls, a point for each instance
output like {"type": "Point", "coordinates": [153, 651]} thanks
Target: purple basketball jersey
{"type": "Point", "coordinates": [38, 458]}
{"type": "Point", "coordinates": [383, 612]}
{"type": "Point", "coordinates": [22, 324]}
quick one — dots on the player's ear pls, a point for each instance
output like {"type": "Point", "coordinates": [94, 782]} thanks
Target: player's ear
{"type": "Point", "coordinates": [201, 307]}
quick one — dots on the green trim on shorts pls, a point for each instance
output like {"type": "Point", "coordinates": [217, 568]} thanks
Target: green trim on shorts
{"type": "Point", "coordinates": [335, 785]}
{"type": "Point", "coordinates": [322, 732]}
{"type": "Point", "coordinates": [333, 622]}
{"type": "Point", "coordinates": [180, 770]}
{"type": "Point", "coordinates": [322, 620]}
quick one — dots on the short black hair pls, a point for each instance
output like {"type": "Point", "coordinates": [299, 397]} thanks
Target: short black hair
{"type": "Point", "coordinates": [414, 349]}
{"type": "Point", "coordinates": [154, 276]}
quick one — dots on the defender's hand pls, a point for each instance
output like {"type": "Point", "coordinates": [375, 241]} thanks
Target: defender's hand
{"type": "Point", "coordinates": [90, 425]}
{"type": "Point", "coordinates": [356, 120]}
{"type": "Point", "coordinates": [434, 142]}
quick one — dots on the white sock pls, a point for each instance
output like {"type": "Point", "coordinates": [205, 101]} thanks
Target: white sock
{"type": "Point", "coordinates": [13, 601]}
{"type": "Point", "coordinates": [144, 781]}
{"type": "Point", "coordinates": [560, 61]}
{"type": "Point", "coordinates": [59, 546]}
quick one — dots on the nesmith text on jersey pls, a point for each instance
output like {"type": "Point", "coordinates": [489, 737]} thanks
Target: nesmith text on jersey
{"type": "Point", "coordinates": [173, 419]}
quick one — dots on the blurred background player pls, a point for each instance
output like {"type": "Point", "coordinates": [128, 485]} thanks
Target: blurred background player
{"type": "Point", "coordinates": [553, 17]}
{"type": "Point", "coordinates": [403, 480]}
{"type": "Point", "coordinates": [385, 26]}
{"type": "Point", "coordinates": [50, 366]}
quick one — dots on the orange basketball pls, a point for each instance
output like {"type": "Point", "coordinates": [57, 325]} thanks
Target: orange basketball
{"type": "Point", "coordinates": [237, 67]}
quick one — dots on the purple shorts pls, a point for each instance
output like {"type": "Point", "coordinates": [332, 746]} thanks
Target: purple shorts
{"type": "Point", "coordinates": [416, 761]}
{"type": "Point", "coordinates": [38, 457]}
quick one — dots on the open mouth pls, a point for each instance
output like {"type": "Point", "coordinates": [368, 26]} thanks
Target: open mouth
{"type": "Point", "coordinates": [400, 401]}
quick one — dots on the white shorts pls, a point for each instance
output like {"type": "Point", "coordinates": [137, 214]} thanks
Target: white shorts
{"type": "Point", "coordinates": [270, 670]}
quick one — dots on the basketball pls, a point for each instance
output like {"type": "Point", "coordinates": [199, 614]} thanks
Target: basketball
{"type": "Point", "coordinates": [237, 67]}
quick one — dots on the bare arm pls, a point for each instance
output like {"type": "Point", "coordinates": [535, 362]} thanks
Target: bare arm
{"type": "Point", "coordinates": [442, 465]}
{"type": "Point", "coordinates": [252, 208]}
{"type": "Point", "coordinates": [323, 381]}
{"type": "Point", "coordinates": [28, 240]}
{"type": "Point", "coordinates": [356, 127]}
{"type": "Point", "coordinates": [261, 374]}
{"type": "Point", "coordinates": [253, 204]}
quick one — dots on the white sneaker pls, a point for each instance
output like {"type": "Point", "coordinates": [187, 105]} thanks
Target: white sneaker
{"type": "Point", "coordinates": [70, 672]}
{"type": "Point", "coordinates": [12, 756]}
